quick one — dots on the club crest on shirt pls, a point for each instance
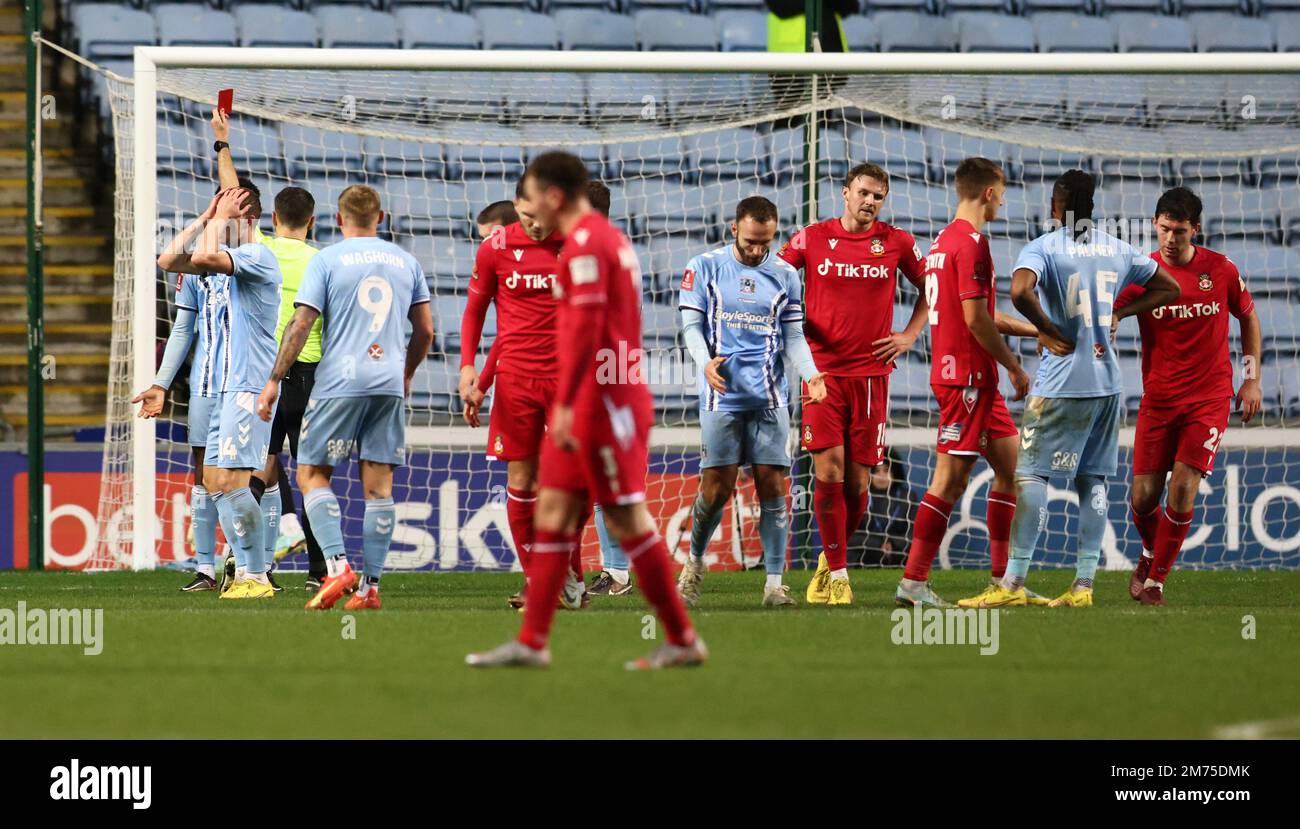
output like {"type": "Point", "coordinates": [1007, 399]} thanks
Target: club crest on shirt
{"type": "Point", "coordinates": [688, 280]}
{"type": "Point", "coordinates": [1099, 351]}
{"type": "Point", "coordinates": [375, 351]}
{"type": "Point", "coordinates": [748, 285]}
{"type": "Point", "coordinates": [496, 445]}
{"type": "Point", "coordinates": [807, 433]}
{"type": "Point", "coordinates": [1205, 283]}
{"type": "Point", "coordinates": [877, 247]}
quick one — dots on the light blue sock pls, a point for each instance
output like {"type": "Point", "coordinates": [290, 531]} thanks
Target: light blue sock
{"type": "Point", "coordinates": [612, 556]}
{"type": "Point", "coordinates": [203, 517]}
{"type": "Point", "coordinates": [221, 503]}
{"type": "Point", "coordinates": [322, 510]}
{"type": "Point", "coordinates": [246, 521]}
{"type": "Point", "coordinates": [1094, 512]}
{"type": "Point", "coordinates": [704, 521]}
{"type": "Point", "coordinates": [1027, 525]}
{"type": "Point", "coordinates": [377, 535]}
{"type": "Point", "coordinates": [774, 532]}
{"type": "Point", "coordinates": [270, 522]}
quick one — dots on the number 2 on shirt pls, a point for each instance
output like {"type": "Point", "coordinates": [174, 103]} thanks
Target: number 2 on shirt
{"type": "Point", "coordinates": [378, 307]}
{"type": "Point", "coordinates": [1076, 297]}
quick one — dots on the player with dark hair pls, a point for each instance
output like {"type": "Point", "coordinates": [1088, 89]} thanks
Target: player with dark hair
{"type": "Point", "coordinates": [497, 214]}
{"type": "Point", "coordinates": [742, 318]}
{"type": "Point", "coordinates": [967, 346]}
{"type": "Point", "coordinates": [1187, 390]}
{"type": "Point", "coordinates": [1064, 282]}
{"type": "Point", "coordinates": [598, 197]}
{"type": "Point", "coordinates": [850, 267]}
{"type": "Point", "coordinates": [597, 441]}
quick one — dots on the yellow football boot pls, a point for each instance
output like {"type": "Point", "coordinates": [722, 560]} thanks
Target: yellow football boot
{"type": "Point", "coordinates": [995, 595]}
{"type": "Point", "coordinates": [1073, 598]}
{"type": "Point", "coordinates": [819, 589]}
{"type": "Point", "coordinates": [841, 593]}
{"type": "Point", "coordinates": [236, 589]}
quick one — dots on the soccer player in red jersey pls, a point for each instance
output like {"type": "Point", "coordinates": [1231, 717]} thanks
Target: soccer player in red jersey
{"type": "Point", "coordinates": [850, 265]}
{"type": "Point", "coordinates": [597, 441]}
{"type": "Point", "coordinates": [967, 345]}
{"type": "Point", "coordinates": [1186, 386]}
{"type": "Point", "coordinates": [514, 268]}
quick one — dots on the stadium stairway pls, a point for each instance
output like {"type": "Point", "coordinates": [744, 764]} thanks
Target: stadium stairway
{"type": "Point", "coordinates": [78, 259]}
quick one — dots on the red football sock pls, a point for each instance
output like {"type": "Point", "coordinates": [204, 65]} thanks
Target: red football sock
{"type": "Point", "coordinates": [1146, 525]}
{"type": "Point", "coordinates": [520, 506]}
{"type": "Point", "coordinates": [548, 565]}
{"type": "Point", "coordinates": [1169, 541]}
{"type": "Point", "coordinates": [828, 506]}
{"type": "Point", "coordinates": [653, 568]}
{"type": "Point", "coordinates": [855, 506]}
{"type": "Point", "coordinates": [1002, 508]}
{"type": "Point", "coordinates": [927, 534]}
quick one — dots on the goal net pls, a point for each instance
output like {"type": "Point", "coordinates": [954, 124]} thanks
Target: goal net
{"type": "Point", "coordinates": [679, 140]}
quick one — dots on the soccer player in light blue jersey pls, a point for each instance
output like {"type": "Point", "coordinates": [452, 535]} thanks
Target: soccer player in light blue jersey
{"type": "Point", "coordinates": [1065, 283]}
{"type": "Point", "coordinates": [364, 288]}
{"type": "Point", "coordinates": [742, 312]}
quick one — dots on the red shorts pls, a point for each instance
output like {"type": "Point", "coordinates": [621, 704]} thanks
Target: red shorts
{"type": "Point", "coordinates": [518, 418]}
{"type": "Point", "coordinates": [853, 415]}
{"type": "Point", "coordinates": [970, 417]}
{"type": "Point", "coordinates": [1189, 433]}
{"type": "Point", "coordinates": [609, 465]}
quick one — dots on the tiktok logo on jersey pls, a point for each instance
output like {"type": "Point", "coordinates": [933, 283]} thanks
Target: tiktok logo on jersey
{"type": "Point", "coordinates": [850, 271]}
{"type": "Point", "coordinates": [1187, 311]}
{"type": "Point", "coordinates": [531, 281]}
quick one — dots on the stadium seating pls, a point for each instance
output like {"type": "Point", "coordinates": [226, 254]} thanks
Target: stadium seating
{"type": "Point", "coordinates": [516, 29]}
{"type": "Point", "coordinates": [181, 24]}
{"type": "Point", "coordinates": [103, 31]}
{"type": "Point", "coordinates": [1153, 33]}
{"type": "Point", "coordinates": [742, 31]}
{"type": "Point", "coordinates": [912, 32]}
{"type": "Point", "coordinates": [992, 32]}
{"type": "Point", "coordinates": [658, 29]}
{"type": "Point", "coordinates": [1063, 32]}
{"type": "Point", "coordinates": [1286, 26]}
{"type": "Point", "coordinates": [595, 29]}
{"type": "Point", "coordinates": [860, 34]}
{"type": "Point", "coordinates": [432, 28]}
{"type": "Point", "coordinates": [1219, 32]}
{"type": "Point", "coordinates": [272, 25]}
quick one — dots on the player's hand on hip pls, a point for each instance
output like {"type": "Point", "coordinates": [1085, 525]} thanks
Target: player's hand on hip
{"type": "Point", "coordinates": [1249, 399]}
{"type": "Point", "coordinates": [561, 427]}
{"type": "Point", "coordinates": [468, 380]}
{"type": "Point", "coordinates": [889, 349]}
{"type": "Point", "coordinates": [220, 125]}
{"type": "Point", "coordinates": [1056, 345]}
{"type": "Point", "coordinates": [150, 400]}
{"type": "Point", "coordinates": [714, 377]}
{"type": "Point", "coordinates": [816, 389]}
{"type": "Point", "coordinates": [266, 400]}
{"type": "Point", "coordinates": [1020, 382]}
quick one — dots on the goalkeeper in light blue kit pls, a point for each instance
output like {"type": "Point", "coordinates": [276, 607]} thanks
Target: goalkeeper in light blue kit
{"type": "Point", "coordinates": [1065, 283]}
{"type": "Point", "coordinates": [365, 289]}
{"type": "Point", "coordinates": [742, 313]}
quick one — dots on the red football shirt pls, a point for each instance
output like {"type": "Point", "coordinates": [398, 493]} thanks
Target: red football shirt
{"type": "Point", "coordinates": [959, 267]}
{"type": "Point", "coordinates": [1185, 356]}
{"type": "Point", "coordinates": [849, 287]}
{"type": "Point", "coordinates": [598, 268]}
{"type": "Point", "coordinates": [517, 273]}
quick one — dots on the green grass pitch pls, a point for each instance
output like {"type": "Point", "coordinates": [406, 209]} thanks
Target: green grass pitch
{"type": "Point", "coordinates": [190, 666]}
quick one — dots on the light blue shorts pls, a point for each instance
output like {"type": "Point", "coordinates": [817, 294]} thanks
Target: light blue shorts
{"type": "Point", "coordinates": [237, 437]}
{"type": "Point", "coordinates": [374, 426]}
{"type": "Point", "coordinates": [748, 437]}
{"type": "Point", "coordinates": [201, 409]}
{"type": "Point", "coordinates": [1069, 436]}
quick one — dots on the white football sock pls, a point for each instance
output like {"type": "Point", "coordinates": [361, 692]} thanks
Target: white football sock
{"type": "Point", "coordinates": [1153, 583]}
{"type": "Point", "coordinates": [773, 581]}
{"type": "Point", "coordinates": [208, 570]}
{"type": "Point", "coordinates": [619, 576]}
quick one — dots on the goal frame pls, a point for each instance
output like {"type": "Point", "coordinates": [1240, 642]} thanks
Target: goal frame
{"type": "Point", "coordinates": [149, 59]}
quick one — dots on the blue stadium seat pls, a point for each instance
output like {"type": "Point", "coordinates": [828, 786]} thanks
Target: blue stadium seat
{"type": "Point", "coordinates": [449, 310]}
{"type": "Point", "coordinates": [948, 149]}
{"type": "Point", "coordinates": [668, 206]}
{"type": "Point", "coordinates": [874, 7]}
{"type": "Point", "coordinates": [1236, 213]}
{"type": "Point", "coordinates": [650, 157]}
{"type": "Point", "coordinates": [584, 142]}
{"type": "Point", "coordinates": [325, 189]}
{"type": "Point", "coordinates": [504, 156]}
{"type": "Point", "coordinates": [447, 262]}
{"type": "Point", "coordinates": [516, 29]}
{"type": "Point", "coordinates": [1286, 381]}
{"type": "Point", "coordinates": [311, 150]}
{"type": "Point", "coordinates": [1021, 98]}
{"type": "Point", "coordinates": [421, 208]}
{"type": "Point", "coordinates": [434, 28]}
{"type": "Point", "coordinates": [256, 147]}
{"type": "Point", "coordinates": [595, 29]}
{"type": "Point", "coordinates": [999, 7]}
{"type": "Point", "coordinates": [1232, 7]}
{"type": "Point", "coordinates": [788, 150]}
{"type": "Point", "coordinates": [861, 34]}
{"type": "Point", "coordinates": [428, 4]}
{"type": "Point", "coordinates": [660, 29]}
{"type": "Point", "coordinates": [1036, 7]}
{"type": "Point", "coordinates": [912, 32]}
{"type": "Point", "coordinates": [474, 97]}
{"type": "Point", "coordinates": [182, 198]}
{"type": "Point", "coordinates": [1005, 251]}
{"type": "Point", "coordinates": [1130, 369]}
{"type": "Point", "coordinates": [714, 6]}
{"type": "Point", "coordinates": [912, 203]}
{"type": "Point", "coordinates": [480, 192]}
{"type": "Point", "coordinates": [1060, 32]}
{"type": "Point", "coordinates": [548, 95]}
{"type": "Point", "coordinates": [1153, 33]}
{"type": "Point", "coordinates": [106, 31]}
{"type": "Point", "coordinates": [660, 322]}
{"type": "Point", "coordinates": [1038, 164]}
{"type": "Point", "coordinates": [698, 96]}
{"type": "Point", "coordinates": [901, 152]}
{"type": "Point", "coordinates": [1185, 99]}
{"type": "Point", "coordinates": [727, 193]}
{"type": "Point", "coordinates": [667, 257]}
{"type": "Point", "coordinates": [181, 149]}
{"type": "Point", "coordinates": [732, 153]}
{"type": "Point", "coordinates": [630, 97]}
{"type": "Point", "coordinates": [743, 31]}
{"type": "Point", "coordinates": [1260, 262]}
{"type": "Point", "coordinates": [909, 385]}
{"type": "Point", "coordinates": [1148, 6]}
{"type": "Point", "coordinates": [1218, 32]}
{"type": "Point", "coordinates": [395, 157]}
{"type": "Point", "coordinates": [433, 387]}
{"type": "Point", "coordinates": [353, 27]}
{"type": "Point", "coordinates": [1104, 99]}
{"type": "Point", "coordinates": [1270, 7]}
{"type": "Point", "coordinates": [1282, 167]}
{"type": "Point", "coordinates": [1286, 25]}
{"type": "Point", "coordinates": [181, 24]}
{"type": "Point", "coordinates": [1206, 169]}
{"type": "Point", "coordinates": [633, 6]}
{"type": "Point", "coordinates": [1128, 198]}
{"type": "Point", "coordinates": [268, 24]}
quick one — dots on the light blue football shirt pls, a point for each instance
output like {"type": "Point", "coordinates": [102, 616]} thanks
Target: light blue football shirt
{"type": "Point", "coordinates": [364, 288]}
{"type": "Point", "coordinates": [205, 294]}
{"type": "Point", "coordinates": [1077, 286]}
{"type": "Point", "coordinates": [744, 308]}
{"type": "Point", "coordinates": [253, 307]}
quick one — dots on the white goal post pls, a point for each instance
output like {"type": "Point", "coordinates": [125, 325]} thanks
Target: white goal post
{"type": "Point", "coordinates": [899, 80]}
